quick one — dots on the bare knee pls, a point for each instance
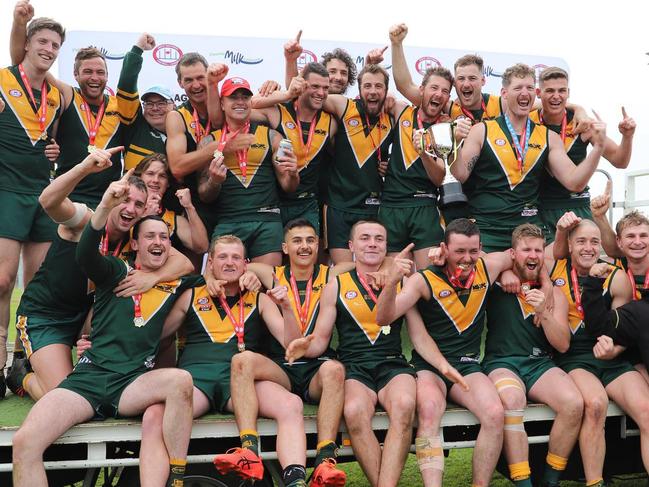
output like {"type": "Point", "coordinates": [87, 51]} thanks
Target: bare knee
{"type": "Point", "coordinates": [572, 407]}
{"type": "Point", "coordinates": [595, 408]}
{"type": "Point", "coordinates": [358, 414]}
{"type": "Point", "coordinates": [242, 362]}
{"type": "Point", "coordinates": [430, 410]}
{"type": "Point", "coordinates": [152, 419]}
{"type": "Point", "coordinates": [332, 373]}
{"type": "Point", "coordinates": [492, 415]}
{"type": "Point", "coordinates": [512, 398]}
{"type": "Point", "coordinates": [292, 409]}
{"type": "Point", "coordinates": [401, 409]}
{"type": "Point", "coordinates": [24, 446]}
{"type": "Point", "coordinates": [7, 283]}
{"type": "Point", "coordinates": [181, 384]}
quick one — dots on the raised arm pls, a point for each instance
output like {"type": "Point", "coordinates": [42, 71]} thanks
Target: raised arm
{"type": "Point", "coordinates": [292, 51]}
{"type": "Point", "coordinates": [295, 89]}
{"type": "Point", "coordinates": [128, 100]}
{"type": "Point", "coordinates": [565, 224]}
{"type": "Point", "coordinates": [216, 72]}
{"type": "Point", "coordinates": [620, 155]}
{"type": "Point", "coordinates": [400, 71]}
{"type": "Point", "coordinates": [191, 230]}
{"type": "Point", "coordinates": [599, 207]}
{"type": "Point", "coordinates": [23, 13]}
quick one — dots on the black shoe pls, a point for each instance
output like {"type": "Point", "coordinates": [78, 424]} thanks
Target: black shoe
{"type": "Point", "coordinates": [3, 386]}
{"type": "Point", "coordinates": [16, 374]}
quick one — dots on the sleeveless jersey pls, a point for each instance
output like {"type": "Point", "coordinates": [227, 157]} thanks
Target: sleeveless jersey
{"type": "Point", "coordinates": [210, 335]}
{"type": "Point", "coordinates": [23, 165]}
{"type": "Point", "coordinates": [186, 111]}
{"type": "Point", "coordinates": [498, 191]}
{"type": "Point", "coordinates": [453, 317]}
{"type": "Point", "coordinates": [309, 164]}
{"type": "Point", "coordinates": [510, 328]}
{"type": "Point", "coordinates": [359, 336]}
{"type": "Point", "coordinates": [255, 198]}
{"type": "Point", "coordinates": [493, 109]}
{"type": "Point", "coordinates": [639, 279]}
{"type": "Point", "coordinates": [553, 194]}
{"type": "Point", "coordinates": [354, 181]}
{"type": "Point", "coordinates": [407, 184]}
{"type": "Point", "coordinates": [580, 341]}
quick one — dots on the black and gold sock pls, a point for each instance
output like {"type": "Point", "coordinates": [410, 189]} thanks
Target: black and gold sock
{"type": "Point", "coordinates": [250, 440]}
{"type": "Point", "coordinates": [176, 472]}
{"type": "Point", "coordinates": [325, 449]}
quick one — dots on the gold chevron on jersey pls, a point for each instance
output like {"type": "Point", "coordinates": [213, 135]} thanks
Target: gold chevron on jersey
{"type": "Point", "coordinates": [17, 100]}
{"type": "Point", "coordinates": [169, 217]}
{"type": "Point", "coordinates": [155, 298]}
{"type": "Point", "coordinates": [359, 306]}
{"type": "Point", "coordinates": [363, 144]}
{"type": "Point", "coordinates": [463, 316]}
{"type": "Point", "coordinates": [406, 123]}
{"type": "Point", "coordinates": [560, 276]}
{"type": "Point", "coordinates": [571, 137]}
{"type": "Point", "coordinates": [188, 118]}
{"type": "Point", "coordinates": [128, 105]}
{"type": "Point", "coordinates": [506, 155]}
{"type": "Point", "coordinates": [109, 122]}
{"type": "Point", "coordinates": [492, 108]}
{"type": "Point", "coordinates": [217, 324]}
{"type": "Point", "coordinates": [318, 284]}
{"type": "Point", "coordinates": [293, 132]}
{"type": "Point", "coordinates": [526, 308]}
{"type": "Point", "coordinates": [256, 155]}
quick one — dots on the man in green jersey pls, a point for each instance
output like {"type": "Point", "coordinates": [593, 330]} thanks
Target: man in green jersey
{"type": "Point", "coordinates": [32, 108]}
{"type": "Point", "coordinates": [114, 378]}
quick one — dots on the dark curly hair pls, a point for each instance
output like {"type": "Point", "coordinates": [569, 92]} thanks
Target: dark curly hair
{"type": "Point", "coordinates": [344, 56]}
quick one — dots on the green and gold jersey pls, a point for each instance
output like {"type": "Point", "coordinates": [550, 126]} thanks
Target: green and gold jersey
{"type": "Point", "coordinates": [499, 192]}
{"type": "Point", "coordinates": [45, 295]}
{"type": "Point", "coordinates": [309, 157]}
{"type": "Point", "coordinates": [639, 279]}
{"type": "Point", "coordinates": [407, 184]}
{"type": "Point", "coordinates": [354, 181]}
{"type": "Point", "coordinates": [580, 341]}
{"type": "Point", "coordinates": [318, 281]}
{"type": "Point", "coordinates": [210, 335]}
{"type": "Point", "coordinates": [511, 331]}
{"type": "Point", "coordinates": [23, 165]}
{"type": "Point", "coordinates": [120, 342]}
{"type": "Point", "coordinates": [492, 109]}
{"type": "Point", "coordinates": [454, 317]}
{"type": "Point", "coordinates": [253, 198]}
{"type": "Point", "coordinates": [359, 335]}
{"type": "Point", "coordinates": [553, 194]}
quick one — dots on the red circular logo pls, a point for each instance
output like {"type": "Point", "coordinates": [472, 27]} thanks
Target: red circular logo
{"type": "Point", "coordinates": [426, 62]}
{"type": "Point", "coordinates": [167, 54]}
{"type": "Point", "coordinates": [305, 58]}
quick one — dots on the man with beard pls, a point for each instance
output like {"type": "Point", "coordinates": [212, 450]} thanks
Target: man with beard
{"type": "Point", "coordinates": [115, 377]}
{"type": "Point", "coordinates": [518, 360]}
{"type": "Point", "coordinates": [242, 186]}
{"type": "Point", "coordinates": [502, 161]}
{"type": "Point", "coordinates": [451, 299]}
{"type": "Point", "coordinates": [362, 142]}
{"type": "Point", "coordinates": [376, 371]}
{"type": "Point", "coordinates": [409, 200]}
{"type": "Point", "coordinates": [555, 199]}
{"type": "Point", "coordinates": [596, 379]}
{"type": "Point", "coordinates": [32, 107]}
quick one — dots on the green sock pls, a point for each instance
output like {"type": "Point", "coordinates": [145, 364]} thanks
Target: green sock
{"type": "Point", "coordinates": [176, 473]}
{"type": "Point", "coordinates": [551, 476]}
{"type": "Point", "coordinates": [523, 482]}
{"type": "Point", "coordinates": [250, 441]}
{"type": "Point", "coordinates": [325, 450]}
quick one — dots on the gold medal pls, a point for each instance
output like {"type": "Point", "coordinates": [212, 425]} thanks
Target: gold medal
{"type": "Point", "coordinates": [386, 329]}
{"type": "Point", "coordinates": [92, 148]}
{"type": "Point", "coordinates": [138, 321]}
{"type": "Point", "coordinates": [525, 288]}
{"type": "Point", "coordinates": [217, 154]}
{"type": "Point", "coordinates": [43, 136]}
{"type": "Point", "coordinates": [241, 347]}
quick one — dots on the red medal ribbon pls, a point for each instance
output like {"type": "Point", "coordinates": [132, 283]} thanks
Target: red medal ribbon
{"type": "Point", "coordinates": [577, 292]}
{"type": "Point", "coordinates": [564, 123]}
{"type": "Point", "coordinates": [93, 128]}
{"type": "Point", "coordinates": [302, 308]}
{"type": "Point", "coordinates": [369, 130]}
{"type": "Point", "coordinates": [237, 325]}
{"type": "Point", "coordinates": [455, 279]}
{"type": "Point", "coordinates": [242, 155]}
{"type": "Point", "coordinates": [633, 284]}
{"type": "Point", "coordinates": [309, 139]}
{"type": "Point", "coordinates": [42, 116]}
{"type": "Point", "coordinates": [468, 113]}
{"type": "Point", "coordinates": [199, 131]}
{"type": "Point", "coordinates": [137, 299]}
{"type": "Point", "coordinates": [367, 288]}
{"type": "Point", "coordinates": [420, 122]}
{"type": "Point", "coordinates": [104, 244]}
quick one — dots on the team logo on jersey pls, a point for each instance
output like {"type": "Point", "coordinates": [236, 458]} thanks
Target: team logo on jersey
{"type": "Point", "coordinates": [202, 300]}
{"type": "Point", "coordinates": [445, 293]}
{"type": "Point", "coordinates": [351, 294]}
{"type": "Point", "coordinates": [305, 58]}
{"type": "Point", "coordinates": [15, 93]}
{"type": "Point", "coordinates": [353, 122]}
{"type": "Point", "coordinates": [238, 58]}
{"type": "Point", "coordinates": [167, 54]}
{"type": "Point", "coordinates": [406, 123]}
{"type": "Point", "coordinates": [559, 282]}
{"type": "Point", "coordinates": [425, 63]}
{"type": "Point", "coordinates": [290, 125]}
{"type": "Point", "coordinates": [501, 142]}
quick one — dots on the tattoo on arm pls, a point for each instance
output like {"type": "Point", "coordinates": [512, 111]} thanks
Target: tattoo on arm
{"type": "Point", "coordinates": [471, 164]}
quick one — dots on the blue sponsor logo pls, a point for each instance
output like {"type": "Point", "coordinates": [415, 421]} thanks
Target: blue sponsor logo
{"type": "Point", "coordinates": [235, 57]}
{"type": "Point", "coordinates": [111, 55]}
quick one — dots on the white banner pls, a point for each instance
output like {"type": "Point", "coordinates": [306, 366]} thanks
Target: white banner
{"type": "Point", "coordinates": [258, 60]}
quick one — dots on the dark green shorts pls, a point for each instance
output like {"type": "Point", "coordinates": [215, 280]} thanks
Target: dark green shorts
{"type": "Point", "coordinates": [528, 369]}
{"type": "Point", "coordinates": [23, 219]}
{"type": "Point", "coordinates": [301, 373]}
{"type": "Point", "coordinates": [338, 223]}
{"type": "Point", "coordinates": [260, 238]}
{"type": "Point", "coordinates": [464, 365]}
{"type": "Point", "coordinates": [36, 332]}
{"type": "Point", "coordinates": [453, 212]}
{"type": "Point", "coordinates": [605, 370]}
{"type": "Point", "coordinates": [376, 373]}
{"type": "Point", "coordinates": [308, 210]}
{"type": "Point", "coordinates": [213, 380]}
{"type": "Point", "coordinates": [496, 238]}
{"type": "Point", "coordinates": [420, 225]}
{"type": "Point", "coordinates": [550, 217]}
{"type": "Point", "coordinates": [100, 387]}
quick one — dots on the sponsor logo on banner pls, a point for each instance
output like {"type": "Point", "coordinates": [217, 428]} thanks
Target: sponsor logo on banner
{"type": "Point", "coordinates": [167, 54]}
{"type": "Point", "coordinates": [305, 58]}
{"type": "Point", "coordinates": [235, 57]}
{"type": "Point", "coordinates": [110, 55]}
{"type": "Point", "coordinates": [426, 62]}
